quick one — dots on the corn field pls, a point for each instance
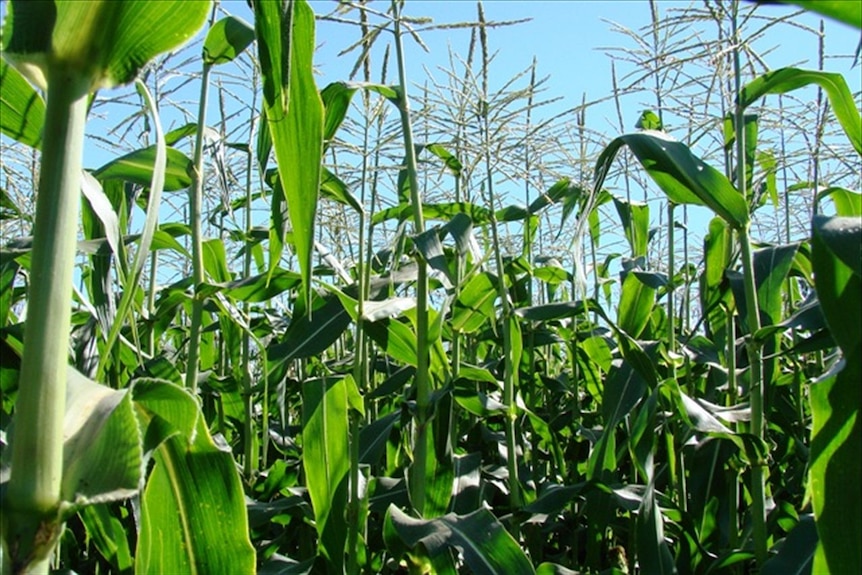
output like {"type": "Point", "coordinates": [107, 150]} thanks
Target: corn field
{"type": "Point", "coordinates": [418, 321]}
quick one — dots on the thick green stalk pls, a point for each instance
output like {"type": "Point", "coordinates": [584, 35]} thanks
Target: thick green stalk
{"type": "Point", "coordinates": [758, 503]}
{"type": "Point", "coordinates": [195, 218]}
{"type": "Point", "coordinates": [33, 494]}
{"type": "Point", "coordinates": [423, 384]}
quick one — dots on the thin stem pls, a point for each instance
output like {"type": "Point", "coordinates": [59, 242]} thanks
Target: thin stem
{"type": "Point", "coordinates": [758, 510]}
{"type": "Point", "coordinates": [195, 217]}
{"type": "Point", "coordinates": [33, 493]}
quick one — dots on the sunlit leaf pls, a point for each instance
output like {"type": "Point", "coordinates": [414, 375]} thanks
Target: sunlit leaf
{"type": "Point", "coordinates": [326, 461]}
{"type": "Point", "coordinates": [685, 178]}
{"type": "Point", "coordinates": [295, 116]}
{"type": "Point", "coordinates": [486, 546]}
{"type": "Point", "coordinates": [137, 167]}
{"type": "Point", "coordinates": [193, 515]}
{"type": "Point", "coordinates": [789, 79]}
{"type": "Point", "coordinates": [106, 42]}
{"type": "Point", "coordinates": [226, 40]}
{"type": "Point", "coordinates": [22, 110]}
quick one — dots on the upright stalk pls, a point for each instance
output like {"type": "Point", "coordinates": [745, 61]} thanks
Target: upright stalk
{"type": "Point", "coordinates": [31, 516]}
{"type": "Point", "coordinates": [195, 217]}
{"type": "Point", "coordinates": [510, 373]}
{"type": "Point", "coordinates": [423, 384]}
{"type": "Point", "coordinates": [758, 504]}
{"type": "Point", "coordinates": [250, 445]}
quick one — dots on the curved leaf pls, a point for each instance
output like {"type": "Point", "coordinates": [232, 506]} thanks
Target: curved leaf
{"type": "Point", "coordinates": [105, 42]}
{"type": "Point", "coordinates": [226, 40]}
{"type": "Point", "coordinates": [137, 167]}
{"type": "Point", "coordinates": [841, 10]}
{"type": "Point", "coordinates": [486, 546]}
{"type": "Point", "coordinates": [685, 178]}
{"type": "Point", "coordinates": [22, 110]}
{"type": "Point", "coordinates": [835, 86]}
{"type": "Point", "coordinates": [102, 455]}
{"type": "Point", "coordinates": [285, 38]}
{"type": "Point", "coordinates": [193, 515]}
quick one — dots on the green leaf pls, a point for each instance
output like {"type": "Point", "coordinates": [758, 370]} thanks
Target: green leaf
{"type": "Point", "coordinates": [635, 219]}
{"type": "Point", "coordinates": [137, 168]}
{"type": "Point", "coordinates": [649, 120]}
{"type": "Point", "coordinates": [336, 99]}
{"type": "Point", "coordinates": [654, 554]}
{"type": "Point", "coordinates": [796, 555]}
{"type": "Point", "coordinates": [841, 10]}
{"type": "Point", "coordinates": [685, 178]}
{"type": "Point", "coordinates": [102, 454]}
{"type": "Point", "coordinates": [193, 514]}
{"type": "Point", "coordinates": [475, 303]}
{"type": "Point", "coordinates": [637, 299]}
{"type": "Point", "coordinates": [624, 388]}
{"type": "Point", "coordinates": [295, 116]}
{"type": "Point", "coordinates": [226, 40]}
{"type": "Point", "coordinates": [104, 42]}
{"type": "Point", "coordinates": [486, 546]}
{"type": "Point", "coordinates": [310, 334]}
{"type": "Point", "coordinates": [108, 535]}
{"type": "Point", "coordinates": [326, 461]}
{"type": "Point", "coordinates": [22, 110]}
{"type": "Point", "coordinates": [835, 461]}
{"type": "Point", "coordinates": [847, 202]}
{"type": "Point", "coordinates": [789, 79]}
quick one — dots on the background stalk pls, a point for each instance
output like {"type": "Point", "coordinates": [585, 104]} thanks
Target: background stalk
{"type": "Point", "coordinates": [37, 449]}
{"type": "Point", "coordinates": [758, 503]}
{"type": "Point", "coordinates": [195, 217]}
{"type": "Point", "coordinates": [423, 384]}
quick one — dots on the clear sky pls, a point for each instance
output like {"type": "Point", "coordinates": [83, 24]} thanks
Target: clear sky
{"type": "Point", "coordinates": [570, 40]}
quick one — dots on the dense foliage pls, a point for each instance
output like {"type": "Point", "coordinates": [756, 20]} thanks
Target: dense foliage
{"type": "Point", "coordinates": [321, 335]}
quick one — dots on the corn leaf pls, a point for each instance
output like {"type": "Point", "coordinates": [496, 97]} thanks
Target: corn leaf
{"type": "Point", "coordinates": [106, 42]}
{"type": "Point", "coordinates": [486, 546]}
{"type": "Point", "coordinates": [789, 79]}
{"type": "Point", "coordinates": [193, 515]}
{"type": "Point", "coordinates": [226, 40]}
{"type": "Point", "coordinates": [137, 167]}
{"type": "Point", "coordinates": [22, 110]}
{"type": "Point", "coordinates": [325, 459]}
{"type": "Point", "coordinates": [836, 445]}
{"type": "Point", "coordinates": [685, 178]}
{"type": "Point", "coordinates": [295, 116]}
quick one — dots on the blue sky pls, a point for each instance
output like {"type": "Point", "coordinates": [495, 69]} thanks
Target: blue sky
{"type": "Point", "coordinates": [569, 39]}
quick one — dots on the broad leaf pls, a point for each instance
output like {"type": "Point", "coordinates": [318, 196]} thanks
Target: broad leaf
{"type": "Point", "coordinates": [105, 42]}
{"type": "Point", "coordinates": [137, 167]}
{"type": "Point", "coordinates": [22, 110]}
{"type": "Point", "coordinates": [193, 515]}
{"type": "Point", "coordinates": [326, 461]}
{"type": "Point", "coordinates": [102, 453]}
{"type": "Point", "coordinates": [226, 40]}
{"type": "Point", "coordinates": [295, 117]}
{"type": "Point", "coordinates": [836, 446]}
{"type": "Point", "coordinates": [486, 546]}
{"type": "Point", "coordinates": [789, 79]}
{"type": "Point", "coordinates": [685, 178]}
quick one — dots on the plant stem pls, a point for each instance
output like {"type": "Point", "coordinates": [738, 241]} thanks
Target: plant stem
{"type": "Point", "coordinates": [195, 217]}
{"type": "Point", "coordinates": [758, 510]}
{"type": "Point", "coordinates": [33, 493]}
{"type": "Point", "coordinates": [423, 384]}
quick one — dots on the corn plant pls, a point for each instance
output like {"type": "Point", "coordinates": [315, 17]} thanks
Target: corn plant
{"type": "Point", "coordinates": [425, 322]}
